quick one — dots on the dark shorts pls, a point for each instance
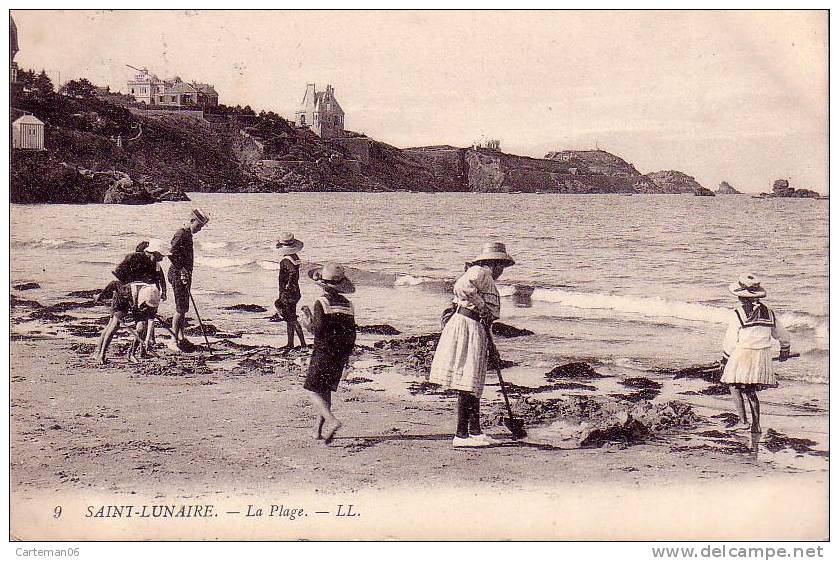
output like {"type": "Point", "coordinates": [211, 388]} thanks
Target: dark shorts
{"type": "Point", "coordinates": [121, 300]}
{"type": "Point", "coordinates": [324, 372]}
{"type": "Point", "coordinates": [180, 291]}
{"type": "Point", "coordinates": [287, 307]}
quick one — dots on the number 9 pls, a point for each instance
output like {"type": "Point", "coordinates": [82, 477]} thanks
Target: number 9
{"type": "Point", "coordinates": [56, 512]}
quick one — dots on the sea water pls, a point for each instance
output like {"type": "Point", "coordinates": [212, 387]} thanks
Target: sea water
{"type": "Point", "coordinates": [635, 283]}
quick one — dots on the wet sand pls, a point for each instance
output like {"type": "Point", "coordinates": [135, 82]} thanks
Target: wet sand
{"type": "Point", "coordinates": [605, 458]}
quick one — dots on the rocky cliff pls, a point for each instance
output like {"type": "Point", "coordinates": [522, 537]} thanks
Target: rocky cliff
{"type": "Point", "coordinates": [490, 170]}
{"type": "Point", "coordinates": [672, 182]}
{"type": "Point", "coordinates": [101, 151]}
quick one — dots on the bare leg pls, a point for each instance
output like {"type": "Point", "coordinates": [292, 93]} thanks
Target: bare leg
{"type": "Point", "coordinates": [150, 339]}
{"type": "Point", "coordinates": [754, 405]}
{"type": "Point", "coordinates": [106, 337]}
{"type": "Point", "coordinates": [319, 428]}
{"type": "Point", "coordinates": [135, 344]}
{"type": "Point", "coordinates": [738, 402]}
{"type": "Point", "coordinates": [177, 326]}
{"type": "Point", "coordinates": [330, 422]}
{"type": "Point", "coordinates": [289, 326]}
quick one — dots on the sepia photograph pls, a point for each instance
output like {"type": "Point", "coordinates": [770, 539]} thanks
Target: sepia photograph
{"type": "Point", "coordinates": [420, 275]}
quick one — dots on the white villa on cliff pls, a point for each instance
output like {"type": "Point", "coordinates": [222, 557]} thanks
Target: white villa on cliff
{"type": "Point", "coordinates": [321, 112]}
{"type": "Point", "coordinates": [150, 90]}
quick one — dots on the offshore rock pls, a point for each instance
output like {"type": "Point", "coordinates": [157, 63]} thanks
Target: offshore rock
{"type": "Point", "coordinates": [726, 189]}
{"type": "Point", "coordinates": [673, 182]}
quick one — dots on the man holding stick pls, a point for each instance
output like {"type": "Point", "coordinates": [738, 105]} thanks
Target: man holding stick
{"type": "Point", "coordinates": [180, 272]}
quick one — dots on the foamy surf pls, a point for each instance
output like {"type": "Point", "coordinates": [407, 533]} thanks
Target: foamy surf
{"type": "Point", "coordinates": [408, 280]}
{"type": "Point", "coordinates": [222, 262]}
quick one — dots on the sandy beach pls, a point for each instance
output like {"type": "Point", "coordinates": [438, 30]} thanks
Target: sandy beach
{"type": "Point", "coordinates": [605, 458]}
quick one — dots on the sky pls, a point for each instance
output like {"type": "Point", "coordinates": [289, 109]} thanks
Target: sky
{"type": "Point", "coordinates": [737, 96]}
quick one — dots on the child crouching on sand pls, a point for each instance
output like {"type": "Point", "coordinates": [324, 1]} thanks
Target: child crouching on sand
{"type": "Point", "coordinates": [332, 323]}
{"type": "Point", "coordinates": [747, 358]}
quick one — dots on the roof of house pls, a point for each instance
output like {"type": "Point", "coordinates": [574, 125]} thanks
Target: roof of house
{"type": "Point", "coordinates": [181, 87]}
{"type": "Point", "coordinates": [206, 89]}
{"type": "Point", "coordinates": [320, 103]}
{"type": "Point", "coordinates": [28, 120]}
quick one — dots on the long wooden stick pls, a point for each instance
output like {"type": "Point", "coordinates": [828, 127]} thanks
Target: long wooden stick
{"type": "Point", "coordinates": [204, 333]}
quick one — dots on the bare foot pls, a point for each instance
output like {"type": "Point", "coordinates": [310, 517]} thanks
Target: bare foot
{"type": "Point", "coordinates": [330, 430]}
{"type": "Point", "coordinates": [100, 359]}
{"type": "Point", "coordinates": [132, 358]}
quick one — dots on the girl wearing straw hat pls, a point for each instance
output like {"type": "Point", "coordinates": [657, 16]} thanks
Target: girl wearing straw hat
{"type": "Point", "coordinates": [288, 279]}
{"type": "Point", "coordinates": [747, 359]}
{"type": "Point", "coordinates": [333, 325]}
{"type": "Point", "coordinates": [460, 361]}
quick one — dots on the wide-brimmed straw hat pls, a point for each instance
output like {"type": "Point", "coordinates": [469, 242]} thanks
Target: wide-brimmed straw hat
{"type": "Point", "coordinates": [495, 251]}
{"type": "Point", "coordinates": [747, 286]}
{"type": "Point", "coordinates": [159, 246]}
{"type": "Point", "coordinates": [288, 244]}
{"type": "Point", "coordinates": [333, 277]}
{"type": "Point", "coordinates": [200, 216]}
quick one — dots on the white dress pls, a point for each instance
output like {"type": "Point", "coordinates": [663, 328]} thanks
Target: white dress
{"type": "Point", "coordinates": [460, 361]}
{"type": "Point", "coordinates": [748, 346]}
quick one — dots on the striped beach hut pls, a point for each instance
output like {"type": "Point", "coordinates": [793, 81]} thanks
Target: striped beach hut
{"type": "Point", "coordinates": [28, 133]}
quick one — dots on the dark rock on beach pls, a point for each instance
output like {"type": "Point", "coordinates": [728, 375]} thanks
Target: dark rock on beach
{"type": "Point", "coordinates": [84, 293]}
{"type": "Point", "coordinates": [16, 302]}
{"type": "Point", "coordinates": [709, 373]}
{"type": "Point", "coordinates": [577, 370]}
{"type": "Point", "coordinates": [640, 383]}
{"type": "Point", "coordinates": [504, 330]}
{"type": "Point", "coordinates": [246, 308]}
{"type": "Point", "coordinates": [425, 387]}
{"type": "Point", "coordinates": [379, 329]}
{"type": "Point", "coordinates": [631, 431]}
{"type": "Point", "coordinates": [26, 286]}
{"type": "Point", "coordinates": [716, 389]}
{"type": "Point", "coordinates": [776, 441]}
{"type": "Point", "coordinates": [646, 394]}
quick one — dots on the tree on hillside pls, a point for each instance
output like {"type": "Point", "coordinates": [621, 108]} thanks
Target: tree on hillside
{"type": "Point", "coordinates": [79, 88]}
{"type": "Point", "coordinates": [26, 78]}
{"type": "Point", "coordinates": [43, 85]}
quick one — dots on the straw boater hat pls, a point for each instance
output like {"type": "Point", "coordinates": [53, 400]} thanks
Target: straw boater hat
{"type": "Point", "coordinates": [494, 251]}
{"type": "Point", "coordinates": [288, 244]}
{"type": "Point", "coordinates": [333, 277]}
{"type": "Point", "coordinates": [200, 216]}
{"type": "Point", "coordinates": [158, 246]}
{"type": "Point", "coordinates": [747, 286]}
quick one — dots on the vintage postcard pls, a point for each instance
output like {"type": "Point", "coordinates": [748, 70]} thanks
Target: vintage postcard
{"type": "Point", "coordinates": [419, 275]}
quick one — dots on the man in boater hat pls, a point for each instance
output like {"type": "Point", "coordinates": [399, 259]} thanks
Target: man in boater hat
{"type": "Point", "coordinates": [180, 272]}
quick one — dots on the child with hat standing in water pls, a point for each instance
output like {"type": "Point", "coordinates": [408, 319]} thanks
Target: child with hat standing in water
{"type": "Point", "coordinates": [747, 358]}
{"type": "Point", "coordinates": [460, 360]}
{"type": "Point", "coordinates": [333, 325]}
{"type": "Point", "coordinates": [288, 279]}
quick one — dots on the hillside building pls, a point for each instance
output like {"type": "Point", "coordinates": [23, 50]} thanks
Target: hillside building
{"type": "Point", "coordinates": [28, 133]}
{"type": "Point", "coordinates": [321, 112]}
{"type": "Point", "coordinates": [150, 90]}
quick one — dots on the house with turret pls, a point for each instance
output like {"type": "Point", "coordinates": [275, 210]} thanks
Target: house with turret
{"type": "Point", "coordinates": [321, 112]}
{"type": "Point", "coordinates": [148, 89]}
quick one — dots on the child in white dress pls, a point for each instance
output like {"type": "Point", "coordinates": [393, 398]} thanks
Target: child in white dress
{"type": "Point", "coordinates": [747, 355]}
